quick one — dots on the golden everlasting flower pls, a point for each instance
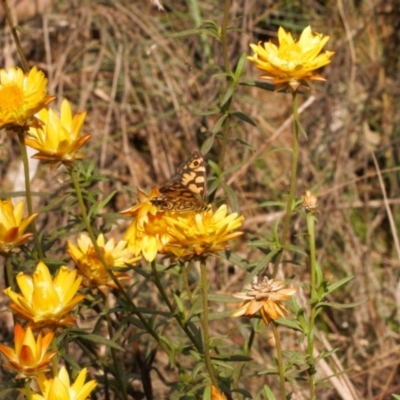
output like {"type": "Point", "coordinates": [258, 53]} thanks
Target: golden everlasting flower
{"type": "Point", "coordinates": [147, 234]}
{"type": "Point", "coordinates": [46, 301]}
{"type": "Point", "coordinates": [292, 63]}
{"type": "Point", "coordinates": [196, 235]}
{"type": "Point", "coordinates": [87, 261]}
{"type": "Point", "coordinates": [30, 357]}
{"type": "Point", "coordinates": [58, 140]}
{"type": "Point", "coordinates": [21, 96]}
{"type": "Point", "coordinates": [60, 387]}
{"type": "Point", "coordinates": [13, 226]}
{"type": "Point", "coordinates": [265, 296]}
{"type": "Point", "coordinates": [216, 394]}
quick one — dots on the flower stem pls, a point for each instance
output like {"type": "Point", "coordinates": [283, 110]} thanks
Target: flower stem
{"type": "Point", "coordinates": [226, 106]}
{"type": "Point", "coordinates": [54, 360]}
{"type": "Point", "coordinates": [119, 375]}
{"type": "Point", "coordinates": [15, 36]}
{"type": "Point", "coordinates": [9, 272]}
{"type": "Point", "coordinates": [171, 308]}
{"type": "Point", "coordinates": [204, 320]}
{"type": "Point", "coordinates": [224, 35]}
{"type": "Point", "coordinates": [28, 392]}
{"type": "Point", "coordinates": [293, 180]}
{"type": "Point", "coordinates": [185, 278]}
{"type": "Point", "coordinates": [28, 193]}
{"type": "Point", "coordinates": [313, 302]}
{"type": "Point", "coordinates": [279, 357]}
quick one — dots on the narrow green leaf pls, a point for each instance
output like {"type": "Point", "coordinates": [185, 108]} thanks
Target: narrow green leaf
{"type": "Point", "coordinates": [268, 393]}
{"type": "Point", "coordinates": [243, 117]}
{"type": "Point", "coordinates": [228, 94]}
{"type": "Point", "coordinates": [339, 283]}
{"type": "Point", "coordinates": [217, 127]}
{"type": "Point", "coordinates": [208, 144]}
{"type": "Point", "coordinates": [340, 305]}
{"type": "Point", "coordinates": [239, 67]}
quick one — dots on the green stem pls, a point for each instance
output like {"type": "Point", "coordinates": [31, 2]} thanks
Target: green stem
{"type": "Point", "coordinates": [15, 36]}
{"type": "Point", "coordinates": [204, 320]}
{"type": "Point", "coordinates": [279, 357]}
{"type": "Point", "coordinates": [9, 272]}
{"type": "Point", "coordinates": [28, 392]}
{"type": "Point", "coordinates": [89, 229]}
{"type": "Point", "coordinates": [226, 106]}
{"type": "Point", "coordinates": [119, 376]}
{"type": "Point", "coordinates": [28, 193]}
{"type": "Point", "coordinates": [314, 303]}
{"type": "Point", "coordinates": [224, 35]}
{"type": "Point", "coordinates": [293, 180]}
{"type": "Point", "coordinates": [54, 360]}
{"type": "Point", "coordinates": [185, 278]}
{"type": "Point", "coordinates": [171, 308]}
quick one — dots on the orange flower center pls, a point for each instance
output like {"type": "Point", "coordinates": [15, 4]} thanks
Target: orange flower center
{"type": "Point", "coordinates": [11, 98]}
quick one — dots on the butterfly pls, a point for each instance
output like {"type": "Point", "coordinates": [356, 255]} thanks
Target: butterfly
{"type": "Point", "coordinates": [187, 188]}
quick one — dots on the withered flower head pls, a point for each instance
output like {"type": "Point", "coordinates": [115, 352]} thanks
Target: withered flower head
{"type": "Point", "coordinates": [266, 296]}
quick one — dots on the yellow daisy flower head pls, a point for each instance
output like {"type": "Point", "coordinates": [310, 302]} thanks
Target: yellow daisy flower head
{"type": "Point", "coordinates": [147, 234]}
{"type": "Point", "coordinates": [13, 226]}
{"type": "Point", "coordinates": [90, 266]}
{"type": "Point", "coordinates": [264, 295]}
{"type": "Point", "coordinates": [197, 235]}
{"type": "Point", "coordinates": [292, 63]}
{"type": "Point", "coordinates": [46, 301]}
{"type": "Point", "coordinates": [58, 139]}
{"type": "Point", "coordinates": [30, 356]}
{"type": "Point", "coordinates": [21, 97]}
{"type": "Point", "coordinates": [60, 388]}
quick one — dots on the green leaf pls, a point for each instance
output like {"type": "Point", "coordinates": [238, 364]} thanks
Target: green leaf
{"type": "Point", "coordinates": [292, 324]}
{"type": "Point", "coordinates": [232, 197]}
{"type": "Point", "coordinates": [96, 339]}
{"type": "Point", "coordinates": [268, 393]}
{"type": "Point", "coordinates": [228, 94]}
{"type": "Point", "coordinates": [243, 117]}
{"type": "Point", "coordinates": [217, 127]}
{"type": "Point", "coordinates": [340, 305]}
{"type": "Point", "coordinates": [233, 357]}
{"type": "Point", "coordinates": [339, 283]}
{"type": "Point", "coordinates": [239, 67]}
{"type": "Point", "coordinates": [208, 144]}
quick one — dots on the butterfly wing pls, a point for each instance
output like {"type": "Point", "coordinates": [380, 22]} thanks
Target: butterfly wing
{"type": "Point", "coordinates": [187, 189]}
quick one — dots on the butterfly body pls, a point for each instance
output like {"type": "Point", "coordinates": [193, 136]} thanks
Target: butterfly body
{"type": "Point", "coordinates": [187, 189]}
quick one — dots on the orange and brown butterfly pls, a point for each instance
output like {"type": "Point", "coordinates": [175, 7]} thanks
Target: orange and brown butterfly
{"type": "Point", "coordinates": [186, 191]}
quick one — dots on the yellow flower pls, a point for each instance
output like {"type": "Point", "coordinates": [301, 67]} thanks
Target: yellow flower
{"type": "Point", "coordinates": [91, 267]}
{"type": "Point", "coordinates": [265, 296]}
{"type": "Point", "coordinates": [148, 232]}
{"type": "Point", "coordinates": [29, 357]}
{"type": "Point", "coordinates": [44, 301]}
{"type": "Point", "coordinates": [60, 387]}
{"type": "Point", "coordinates": [21, 96]}
{"type": "Point", "coordinates": [292, 63]}
{"type": "Point", "coordinates": [216, 394]}
{"type": "Point", "coordinates": [58, 140]}
{"type": "Point", "coordinates": [196, 235]}
{"type": "Point", "coordinates": [13, 226]}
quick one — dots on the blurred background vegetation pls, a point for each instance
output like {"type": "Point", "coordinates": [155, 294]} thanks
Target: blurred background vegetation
{"type": "Point", "coordinates": [152, 96]}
